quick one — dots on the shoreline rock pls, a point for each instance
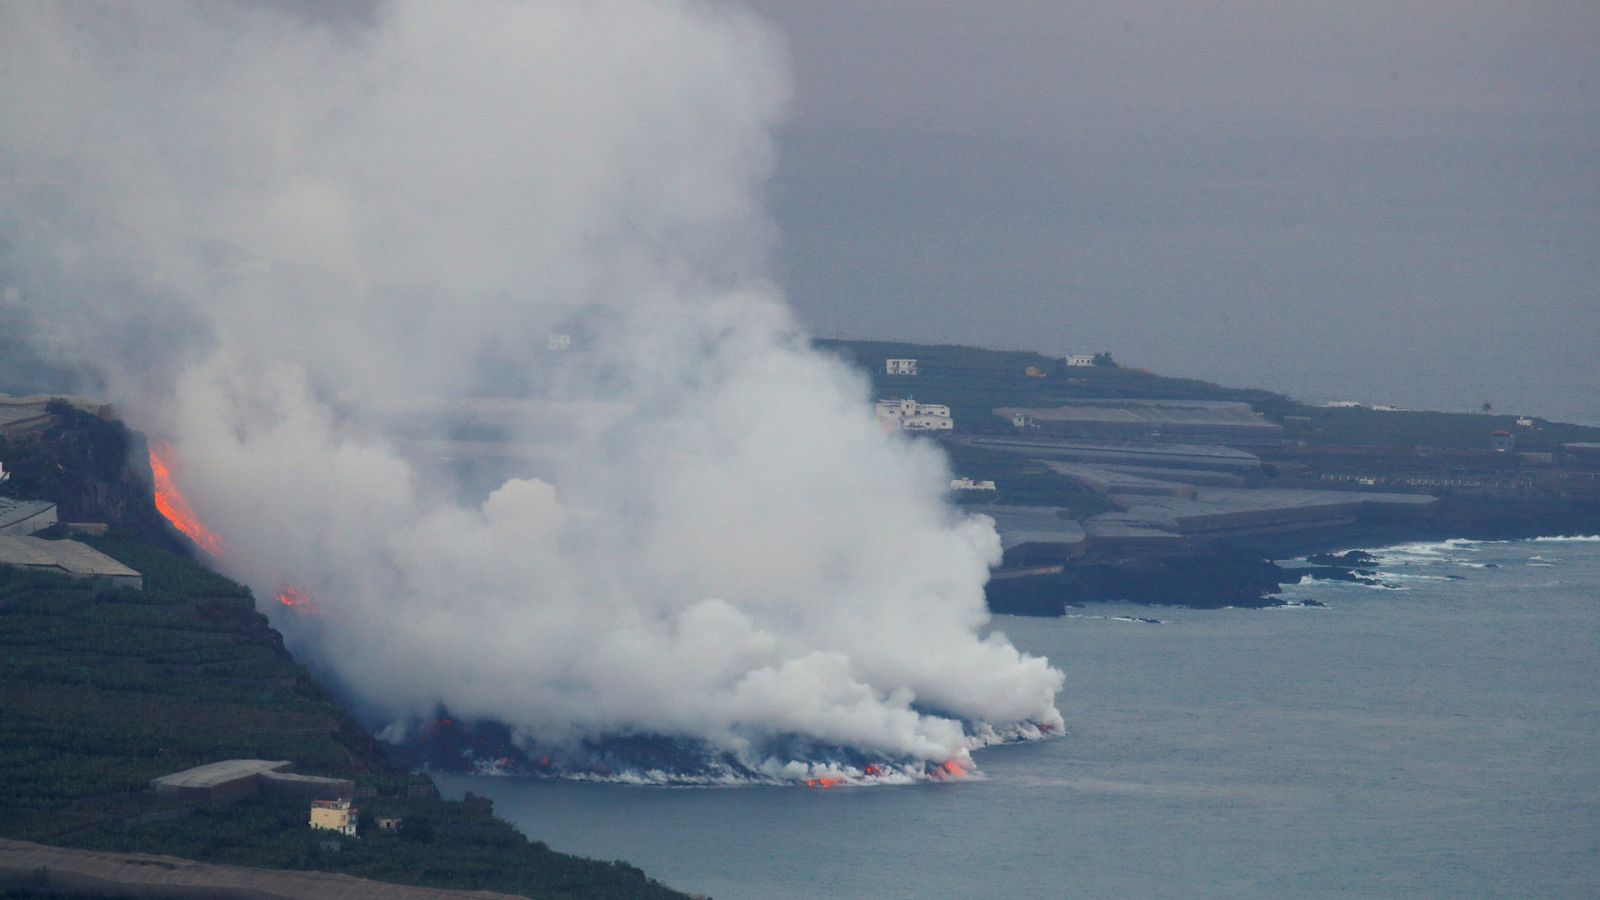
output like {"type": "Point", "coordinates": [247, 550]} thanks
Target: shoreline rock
{"type": "Point", "coordinates": [1245, 572]}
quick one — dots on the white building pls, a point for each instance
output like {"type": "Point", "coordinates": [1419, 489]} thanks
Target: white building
{"type": "Point", "coordinates": [900, 366]}
{"type": "Point", "coordinates": [1078, 360]}
{"type": "Point", "coordinates": [909, 415]}
{"type": "Point", "coordinates": [967, 484]}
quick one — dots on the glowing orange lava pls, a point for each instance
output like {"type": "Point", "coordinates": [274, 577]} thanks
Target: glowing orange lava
{"type": "Point", "coordinates": [952, 769]}
{"type": "Point", "coordinates": [171, 504]}
{"type": "Point", "coordinates": [299, 601]}
{"type": "Point", "coordinates": [824, 782]}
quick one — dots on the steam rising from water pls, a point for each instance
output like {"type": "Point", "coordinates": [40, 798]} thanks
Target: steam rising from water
{"type": "Point", "coordinates": [291, 248]}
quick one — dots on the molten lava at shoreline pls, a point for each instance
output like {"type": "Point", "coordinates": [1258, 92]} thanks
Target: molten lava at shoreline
{"type": "Point", "coordinates": [174, 508]}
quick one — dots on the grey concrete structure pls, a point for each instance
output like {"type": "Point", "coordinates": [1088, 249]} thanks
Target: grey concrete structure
{"type": "Point", "coordinates": [219, 782]}
{"type": "Point", "coordinates": [1210, 457]}
{"type": "Point", "coordinates": [25, 517]}
{"type": "Point", "coordinates": [1216, 511]}
{"type": "Point", "coordinates": [68, 558]}
{"type": "Point", "coordinates": [235, 779]}
{"type": "Point", "coordinates": [1033, 535]}
{"type": "Point", "coordinates": [21, 415]}
{"type": "Point", "coordinates": [308, 786]}
{"type": "Point", "coordinates": [1583, 452]}
{"type": "Point", "coordinates": [1197, 477]}
{"type": "Point", "coordinates": [1120, 481]}
{"type": "Point", "coordinates": [1220, 421]}
{"type": "Point", "coordinates": [1120, 530]}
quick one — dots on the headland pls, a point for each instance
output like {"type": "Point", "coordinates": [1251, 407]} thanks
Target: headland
{"type": "Point", "coordinates": [1111, 483]}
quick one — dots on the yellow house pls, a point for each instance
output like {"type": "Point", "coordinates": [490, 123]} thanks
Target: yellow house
{"type": "Point", "coordinates": [334, 815]}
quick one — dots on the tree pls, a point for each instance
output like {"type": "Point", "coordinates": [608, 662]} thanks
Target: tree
{"type": "Point", "coordinates": [416, 829]}
{"type": "Point", "coordinates": [1104, 359]}
{"type": "Point", "coordinates": [1487, 407]}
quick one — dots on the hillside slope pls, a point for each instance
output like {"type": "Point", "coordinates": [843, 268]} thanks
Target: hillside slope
{"type": "Point", "coordinates": [102, 690]}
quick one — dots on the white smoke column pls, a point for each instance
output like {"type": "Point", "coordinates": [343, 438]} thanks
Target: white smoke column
{"type": "Point", "coordinates": [263, 231]}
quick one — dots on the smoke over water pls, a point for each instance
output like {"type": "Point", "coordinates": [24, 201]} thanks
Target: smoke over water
{"type": "Point", "coordinates": [330, 262]}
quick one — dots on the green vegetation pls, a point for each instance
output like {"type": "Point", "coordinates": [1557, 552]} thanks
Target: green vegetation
{"type": "Point", "coordinates": [1343, 426]}
{"type": "Point", "coordinates": [105, 689]}
{"type": "Point", "coordinates": [102, 690]}
{"type": "Point", "coordinates": [445, 845]}
{"type": "Point", "coordinates": [974, 382]}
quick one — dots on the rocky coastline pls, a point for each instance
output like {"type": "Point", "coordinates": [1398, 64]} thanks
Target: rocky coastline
{"type": "Point", "coordinates": [1251, 571]}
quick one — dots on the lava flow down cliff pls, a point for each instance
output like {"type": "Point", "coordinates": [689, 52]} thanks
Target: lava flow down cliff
{"type": "Point", "coordinates": [459, 318]}
{"type": "Point", "coordinates": [173, 507]}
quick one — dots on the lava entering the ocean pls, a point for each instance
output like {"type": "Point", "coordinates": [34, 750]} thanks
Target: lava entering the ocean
{"type": "Point", "coordinates": [174, 508]}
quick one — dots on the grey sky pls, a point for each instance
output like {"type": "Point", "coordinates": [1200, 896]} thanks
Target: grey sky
{"type": "Point", "coordinates": [1387, 201]}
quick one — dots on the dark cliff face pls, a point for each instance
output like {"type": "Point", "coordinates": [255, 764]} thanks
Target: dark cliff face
{"type": "Point", "coordinates": [93, 469]}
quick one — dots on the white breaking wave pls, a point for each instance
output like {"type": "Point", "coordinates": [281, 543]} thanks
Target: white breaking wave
{"type": "Point", "coordinates": [1428, 553]}
{"type": "Point", "coordinates": [1411, 576]}
{"type": "Point", "coordinates": [1137, 619]}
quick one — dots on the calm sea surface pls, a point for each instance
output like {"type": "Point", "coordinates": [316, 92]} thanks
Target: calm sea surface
{"type": "Point", "coordinates": [1438, 738]}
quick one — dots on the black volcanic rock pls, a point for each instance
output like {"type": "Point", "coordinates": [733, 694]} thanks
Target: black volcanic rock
{"type": "Point", "coordinates": [1352, 559]}
{"type": "Point", "coordinates": [1205, 578]}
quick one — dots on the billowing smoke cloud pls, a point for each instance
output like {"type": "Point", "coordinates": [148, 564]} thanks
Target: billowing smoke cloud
{"type": "Point", "coordinates": [311, 252]}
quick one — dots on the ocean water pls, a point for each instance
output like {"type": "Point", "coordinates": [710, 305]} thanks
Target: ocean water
{"type": "Point", "coordinates": [1438, 736]}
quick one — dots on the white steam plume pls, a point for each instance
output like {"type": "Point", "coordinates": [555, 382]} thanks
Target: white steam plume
{"type": "Point", "coordinates": [291, 246]}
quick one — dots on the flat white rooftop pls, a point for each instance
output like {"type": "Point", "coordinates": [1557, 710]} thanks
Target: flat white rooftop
{"type": "Point", "coordinates": [31, 411]}
{"type": "Point", "coordinates": [212, 774]}
{"type": "Point", "coordinates": [64, 557]}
